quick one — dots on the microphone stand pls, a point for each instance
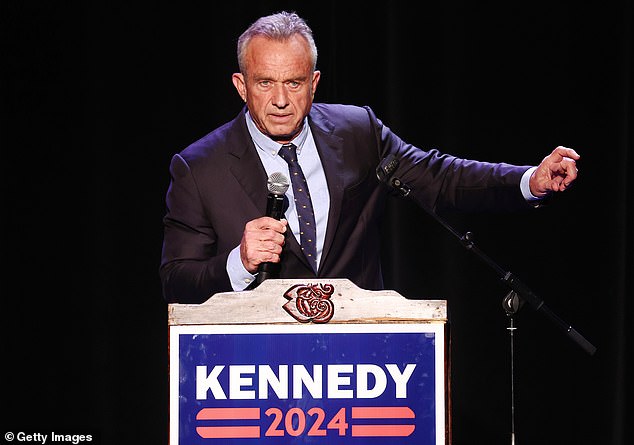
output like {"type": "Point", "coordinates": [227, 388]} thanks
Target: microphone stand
{"type": "Point", "coordinates": [519, 292]}
{"type": "Point", "coordinates": [514, 299]}
{"type": "Point", "coordinates": [512, 304]}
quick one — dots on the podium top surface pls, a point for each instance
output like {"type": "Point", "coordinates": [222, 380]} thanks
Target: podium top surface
{"type": "Point", "coordinates": [307, 301]}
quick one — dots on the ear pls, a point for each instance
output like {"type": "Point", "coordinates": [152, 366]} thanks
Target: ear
{"type": "Point", "coordinates": [238, 82]}
{"type": "Point", "coordinates": [316, 77]}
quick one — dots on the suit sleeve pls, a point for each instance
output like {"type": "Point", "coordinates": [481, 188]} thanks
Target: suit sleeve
{"type": "Point", "coordinates": [191, 268]}
{"type": "Point", "coordinates": [441, 181]}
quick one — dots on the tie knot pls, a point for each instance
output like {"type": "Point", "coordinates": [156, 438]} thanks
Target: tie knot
{"type": "Point", "coordinates": [288, 152]}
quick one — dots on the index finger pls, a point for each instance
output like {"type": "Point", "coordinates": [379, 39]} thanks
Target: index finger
{"type": "Point", "coordinates": [566, 152]}
{"type": "Point", "coordinates": [266, 222]}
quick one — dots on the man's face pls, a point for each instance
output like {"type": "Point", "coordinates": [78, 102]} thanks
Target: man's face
{"type": "Point", "coordinates": [278, 86]}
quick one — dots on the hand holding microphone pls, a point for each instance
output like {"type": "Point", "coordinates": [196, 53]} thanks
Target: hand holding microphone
{"type": "Point", "coordinates": [263, 238]}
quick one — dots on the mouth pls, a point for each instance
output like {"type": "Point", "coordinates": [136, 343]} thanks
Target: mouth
{"type": "Point", "coordinates": [280, 117]}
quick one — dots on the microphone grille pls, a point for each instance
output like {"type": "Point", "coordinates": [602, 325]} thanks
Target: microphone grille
{"type": "Point", "coordinates": [277, 183]}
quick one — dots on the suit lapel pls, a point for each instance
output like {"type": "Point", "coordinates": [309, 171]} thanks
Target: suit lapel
{"type": "Point", "coordinates": [330, 149]}
{"type": "Point", "coordinates": [247, 167]}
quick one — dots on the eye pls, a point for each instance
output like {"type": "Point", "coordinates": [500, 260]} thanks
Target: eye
{"type": "Point", "coordinates": [294, 84]}
{"type": "Point", "coordinates": [264, 85]}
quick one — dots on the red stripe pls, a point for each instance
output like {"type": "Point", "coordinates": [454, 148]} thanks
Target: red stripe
{"type": "Point", "coordinates": [228, 432]}
{"type": "Point", "coordinates": [382, 412]}
{"type": "Point", "coordinates": [382, 430]}
{"type": "Point", "coordinates": [228, 414]}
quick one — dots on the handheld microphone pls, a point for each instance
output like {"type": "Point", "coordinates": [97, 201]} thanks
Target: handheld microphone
{"type": "Point", "coordinates": [277, 184]}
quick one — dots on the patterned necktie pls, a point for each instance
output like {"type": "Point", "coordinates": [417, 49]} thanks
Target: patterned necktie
{"type": "Point", "coordinates": [303, 204]}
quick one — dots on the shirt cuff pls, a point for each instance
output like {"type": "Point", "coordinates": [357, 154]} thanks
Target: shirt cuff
{"type": "Point", "coordinates": [240, 277]}
{"type": "Point", "coordinates": [525, 186]}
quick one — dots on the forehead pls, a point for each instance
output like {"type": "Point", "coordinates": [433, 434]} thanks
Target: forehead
{"type": "Point", "coordinates": [266, 56]}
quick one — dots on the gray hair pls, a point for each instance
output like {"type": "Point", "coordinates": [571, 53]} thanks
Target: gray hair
{"type": "Point", "coordinates": [280, 26]}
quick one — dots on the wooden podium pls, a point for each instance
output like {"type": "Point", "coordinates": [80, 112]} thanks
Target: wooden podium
{"type": "Point", "coordinates": [311, 362]}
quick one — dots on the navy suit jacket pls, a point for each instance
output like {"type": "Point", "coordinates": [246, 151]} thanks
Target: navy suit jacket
{"type": "Point", "coordinates": [218, 184]}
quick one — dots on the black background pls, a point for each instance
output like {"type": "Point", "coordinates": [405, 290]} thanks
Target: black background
{"type": "Point", "coordinates": [97, 96]}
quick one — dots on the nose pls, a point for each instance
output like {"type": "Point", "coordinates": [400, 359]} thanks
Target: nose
{"type": "Point", "coordinates": [279, 96]}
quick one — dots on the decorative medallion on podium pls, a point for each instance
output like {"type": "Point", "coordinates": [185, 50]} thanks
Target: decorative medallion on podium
{"type": "Point", "coordinates": [310, 302]}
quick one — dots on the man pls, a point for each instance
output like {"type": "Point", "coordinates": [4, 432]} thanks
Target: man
{"type": "Point", "coordinates": [216, 236]}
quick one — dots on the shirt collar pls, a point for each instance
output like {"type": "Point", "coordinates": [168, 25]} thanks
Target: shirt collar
{"type": "Point", "coordinates": [268, 145]}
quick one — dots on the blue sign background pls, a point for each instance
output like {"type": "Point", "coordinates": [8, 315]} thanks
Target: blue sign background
{"type": "Point", "coordinates": [309, 349]}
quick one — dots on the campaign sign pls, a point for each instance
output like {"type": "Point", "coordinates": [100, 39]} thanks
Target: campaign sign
{"type": "Point", "coordinates": [373, 384]}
